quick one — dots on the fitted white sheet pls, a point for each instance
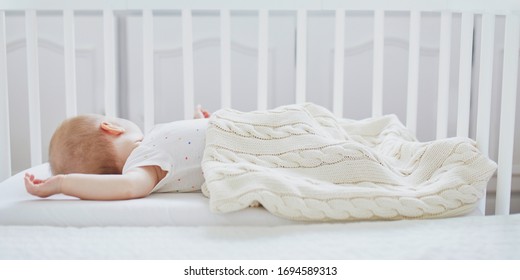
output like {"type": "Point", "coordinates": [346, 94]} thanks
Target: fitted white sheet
{"type": "Point", "coordinates": [17, 207]}
{"type": "Point", "coordinates": [484, 237]}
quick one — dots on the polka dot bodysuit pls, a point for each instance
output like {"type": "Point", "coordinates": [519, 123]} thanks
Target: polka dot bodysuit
{"type": "Point", "coordinates": [177, 148]}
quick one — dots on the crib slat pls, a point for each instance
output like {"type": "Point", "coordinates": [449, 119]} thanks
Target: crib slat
{"type": "Point", "coordinates": [225, 60]}
{"type": "Point", "coordinates": [187, 61]}
{"type": "Point", "coordinates": [413, 71]}
{"type": "Point", "coordinates": [148, 70]}
{"type": "Point", "coordinates": [70, 63]}
{"type": "Point", "coordinates": [301, 56]}
{"type": "Point", "coordinates": [109, 63]}
{"type": "Point", "coordinates": [339, 58]}
{"type": "Point", "coordinates": [507, 114]}
{"type": "Point", "coordinates": [466, 46]}
{"type": "Point", "coordinates": [377, 73]}
{"type": "Point", "coordinates": [485, 82]}
{"type": "Point", "coordinates": [444, 76]}
{"type": "Point", "coordinates": [263, 25]}
{"type": "Point", "coordinates": [33, 83]}
{"type": "Point", "coordinates": [484, 88]}
{"type": "Point", "coordinates": [5, 145]}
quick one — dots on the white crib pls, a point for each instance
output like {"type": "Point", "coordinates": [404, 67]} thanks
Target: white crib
{"type": "Point", "coordinates": [476, 93]}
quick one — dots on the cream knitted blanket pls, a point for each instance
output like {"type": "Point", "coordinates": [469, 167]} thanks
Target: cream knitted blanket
{"type": "Point", "coordinates": [302, 163]}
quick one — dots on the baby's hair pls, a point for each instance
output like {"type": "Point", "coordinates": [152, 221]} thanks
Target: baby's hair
{"type": "Point", "coordinates": [79, 145]}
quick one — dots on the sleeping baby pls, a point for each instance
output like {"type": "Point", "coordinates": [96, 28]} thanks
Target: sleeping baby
{"type": "Point", "coordinates": [298, 161]}
{"type": "Point", "coordinates": [96, 157]}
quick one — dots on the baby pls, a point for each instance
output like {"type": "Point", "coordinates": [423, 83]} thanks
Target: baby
{"type": "Point", "coordinates": [95, 157]}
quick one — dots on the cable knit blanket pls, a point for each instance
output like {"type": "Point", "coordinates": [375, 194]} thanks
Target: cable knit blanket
{"type": "Point", "coordinates": [301, 162]}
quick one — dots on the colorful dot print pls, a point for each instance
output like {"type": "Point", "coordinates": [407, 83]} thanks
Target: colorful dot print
{"type": "Point", "coordinates": [179, 146]}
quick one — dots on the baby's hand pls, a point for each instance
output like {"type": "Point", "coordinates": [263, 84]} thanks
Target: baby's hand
{"type": "Point", "coordinates": [201, 113]}
{"type": "Point", "coordinates": [43, 188]}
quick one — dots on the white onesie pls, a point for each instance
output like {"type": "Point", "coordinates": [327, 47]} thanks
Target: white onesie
{"type": "Point", "coordinates": [177, 148]}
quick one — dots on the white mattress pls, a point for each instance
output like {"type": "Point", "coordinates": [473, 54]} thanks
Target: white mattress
{"type": "Point", "coordinates": [17, 207]}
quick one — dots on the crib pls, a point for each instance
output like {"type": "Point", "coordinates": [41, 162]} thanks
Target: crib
{"type": "Point", "coordinates": [475, 74]}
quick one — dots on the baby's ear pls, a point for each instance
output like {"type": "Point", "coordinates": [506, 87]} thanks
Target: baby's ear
{"type": "Point", "coordinates": [111, 128]}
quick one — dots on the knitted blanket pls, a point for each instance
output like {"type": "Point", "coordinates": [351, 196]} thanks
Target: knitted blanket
{"type": "Point", "coordinates": [301, 162]}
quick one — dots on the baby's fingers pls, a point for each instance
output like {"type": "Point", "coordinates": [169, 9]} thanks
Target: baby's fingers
{"type": "Point", "coordinates": [29, 176]}
{"type": "Point", "coordinates": [29, 186]}
{"type": "Point", "coordinates": [32, 187]}
{"type": "Point", "coordinates": [27, 179]}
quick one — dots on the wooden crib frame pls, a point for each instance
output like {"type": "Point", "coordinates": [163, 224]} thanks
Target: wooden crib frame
{"type": "Point", "coordinates": [510, 9]}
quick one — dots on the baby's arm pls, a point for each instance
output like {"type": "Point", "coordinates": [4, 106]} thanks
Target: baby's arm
{"type": "Point", "coordinates": [136, 183]}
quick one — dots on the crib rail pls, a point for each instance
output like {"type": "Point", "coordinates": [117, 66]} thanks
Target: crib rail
{"type": "Point", "coordinates": [477, 6]}
{"type": "Point", "coordinates": [488, 9]}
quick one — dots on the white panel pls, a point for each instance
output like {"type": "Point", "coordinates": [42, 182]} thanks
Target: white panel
{"type": "Point", "coordinates": [70, 63]}
{"type": "Point", "coordinates": [301, 56]}
{"type": "Point", "coordinates": [413, 71]}
{"type": "Point", "coordinates": [444, 76]}
{"type": "Point", "coordinates": [225, 60]}
{"type": "Point", "coordinates": [187, 60]}
{"type": "Point", "coordinates": [263, 42]}
{"type": "Point", "coordinates": [148, 73]}
{"type": "Point", "coordinates": [485, 81]}
{"type": "Point", "coordinates": [33, 84]}
{"type": "Point", "coordinates": [466, 52]}
{"type": "Point", "coordinates": [109, 63]}
{"type": "Point", "coordinates": [507, 114]}
{"type": "Point", "coordinates": [377, 73]}
{"type": "Point", "coordinates": [339, 58]}
{"type": "Point", "coordinates": [5, 145]}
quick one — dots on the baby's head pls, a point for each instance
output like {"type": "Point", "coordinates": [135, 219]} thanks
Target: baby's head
{"type": "Point", "coordinates": [92, 144]}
